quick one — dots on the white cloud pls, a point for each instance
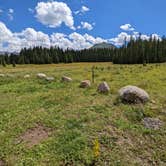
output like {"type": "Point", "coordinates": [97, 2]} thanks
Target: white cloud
{"type": "Point", "coordinates": [123, 36]}
{"type": "Point", "coordinates": [156, 37]}
{"type": "Point", "coordinates": [144, 37]}
{"type": "Point", "coordinates": [82, 10]}
{"type": "Point", "coordinates": [14, 42]}
{"type": "Point", "coordinates": [79, 42]}
{"type": "Point", "coordinates": [127, 27]}
{"type": "Point", "coordinates": [79, 27]}
{"type": "Point", "coordinates": [53, 14]}
{"type": "Point", "coordinates": [120, 39]}
{"type": "Point", "coordinates": [11, 11]}
{"type": "Point", "coordinates": [33, 38]}
{"type": "Point", "coordinates": [29, 37]}
{"type": "Point", "coordinates": [61, 40]}
{"type": "Point", "coordinates": [10, 14]}
{"type": "Point", "coordinates": [85, 9]}
{"type": "Point", "coordinates": [94, 40]}
{"type": "Point", "coordinates": [86, 25]}
{"type": "Point", "coordinates": [5, 33]}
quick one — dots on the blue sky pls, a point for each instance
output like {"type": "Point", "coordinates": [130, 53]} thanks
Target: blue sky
{"type": "Point", "coordinates": [99, 18]}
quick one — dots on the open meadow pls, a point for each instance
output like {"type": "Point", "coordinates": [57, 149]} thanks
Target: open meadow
{"type": "Point", "coordinates": [56, 124]}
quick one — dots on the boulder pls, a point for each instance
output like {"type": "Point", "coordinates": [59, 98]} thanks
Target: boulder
{"type": "Point", "coordinates": [50, 78]}
{"type": "Point", "coordinates": [2, 75]}
{"type": "Point", "coordinates": [27, 76]}
{"type": "Point", "coordinates": [41, 75]}
{"type": "Point", "coordinates": [103, 87]}
{"type": "Point", "coordinates": [133, 94]}
{"type": "Point", "coordinates": [66, 79]}
{"type": "Point", "coordinates": [152, 123]}
{"type": "Point", "coordinates": [85, 84]}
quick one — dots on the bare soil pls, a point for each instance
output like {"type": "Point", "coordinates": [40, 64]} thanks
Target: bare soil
{"type": "Point", "coordinates": [35, 135]}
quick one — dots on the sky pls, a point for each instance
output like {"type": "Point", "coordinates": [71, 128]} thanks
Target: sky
{"type": "Point", "coordinates": [78, 24]}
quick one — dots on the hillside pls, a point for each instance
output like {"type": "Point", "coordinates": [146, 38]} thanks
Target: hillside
{"type": "Point", "coordinates": [103, 45]}
{"type": "Point", "coordinates": [51, 123]}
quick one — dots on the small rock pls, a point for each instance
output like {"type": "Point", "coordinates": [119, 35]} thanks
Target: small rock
{"type": "Point", "coordinates": [50, 78]}
{"type": "Point", "coordinates": [66, 79]}
{"type": "Point", "coordinates": [10, 75]}
{"type": "Point", "coordinates": [103, 87]}
{"type": "Point", "coordinates": [85, 84]}
{"type": "Point", "coordinates": [133, 94]}
{"type": "Point", "coordinates": [27, 76]}
{"type": "Point", "coordinates": [2, 75]}
{"type": "Point", "coordinates": [152, 123]}
{"type": "Point", "coordinates": [41, 75]}
{"type": "Point", "coordinates": [153, 102]}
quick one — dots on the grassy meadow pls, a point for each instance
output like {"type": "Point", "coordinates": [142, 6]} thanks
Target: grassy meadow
{"type": "Point", "coordinates": [85, 128]}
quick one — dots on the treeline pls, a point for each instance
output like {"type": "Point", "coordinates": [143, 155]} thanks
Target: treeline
{"type": "Point", "coordinates": [134, 52]}
{"type": "Point", "coordinates": [40, 55]}
{"type": "Point", "coordinates": [141, 51]}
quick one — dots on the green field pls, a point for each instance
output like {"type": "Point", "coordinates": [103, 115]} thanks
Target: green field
{"type": "Point", "coordinates": [79, 119]}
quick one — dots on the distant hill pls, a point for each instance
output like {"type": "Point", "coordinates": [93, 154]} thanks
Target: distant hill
{"type": "Point", "coordinates": [103, 45]}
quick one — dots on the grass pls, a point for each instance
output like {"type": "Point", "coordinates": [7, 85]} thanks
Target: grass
{"type": "Point", "coordinates": [79, 117]}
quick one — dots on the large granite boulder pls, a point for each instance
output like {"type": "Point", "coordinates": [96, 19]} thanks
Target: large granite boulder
{"type": "Point", "coordinates": [85, 84]}
{"type": "Point", "coordinates": [103, 87]}
{"type": "Point", "coordinates": [133, 94]}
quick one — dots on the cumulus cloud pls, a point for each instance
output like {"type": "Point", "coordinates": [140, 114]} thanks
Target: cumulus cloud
{"type": "Point", "coordinates": [53, 14]}
{"type": "Point", "coordinates": [127, 27]}
{"type": "Point", "coordinates": [61, 40]}
{"type": "Point", "coordinates": [85, 9]}
{"type": "Point", "coordinates": [29, 37]}
{"type": "Point", "coordinates": [5, 33]}
{"type": "Point", "coordinates": [120, 39]}
{"type": "Point", "coordinates": [82, 10]}
{"type": "Point", "coordinates": [86, 25]}
{"type": "Point", "coordinates": [10, 14]}
{"type": "Point", "coordinates": [125, 37]}
{"type": "Point", "coordinates": [94, 40]}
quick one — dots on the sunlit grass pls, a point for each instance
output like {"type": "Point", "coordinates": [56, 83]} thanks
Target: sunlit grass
{"type": "Point", "coordinates": [80, 118]}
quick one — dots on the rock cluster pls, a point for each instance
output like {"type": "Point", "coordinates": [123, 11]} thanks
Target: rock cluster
{"type": "Point", "coordinates": [128, 94]}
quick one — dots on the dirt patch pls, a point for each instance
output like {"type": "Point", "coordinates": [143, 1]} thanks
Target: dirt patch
{"type": "Point", "coordinates": [35, 135]}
